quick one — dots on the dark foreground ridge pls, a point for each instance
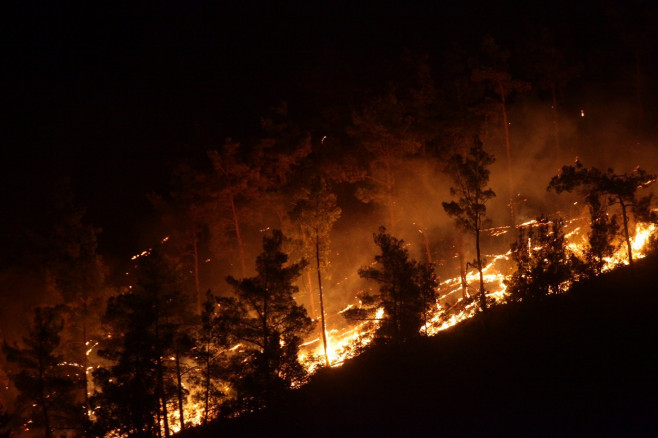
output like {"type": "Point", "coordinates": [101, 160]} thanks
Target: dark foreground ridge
{"type": "Point", "coordinates": [581, 364]}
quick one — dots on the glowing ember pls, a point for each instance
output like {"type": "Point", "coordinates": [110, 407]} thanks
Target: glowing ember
{"type": "Point", "coordinates": [451, 309]}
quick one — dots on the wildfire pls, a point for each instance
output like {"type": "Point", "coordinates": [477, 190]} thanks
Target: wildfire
{"type": "Point", "coordinates": [450, 311]}
{"type": "Point", "coordinates": [454, 305]}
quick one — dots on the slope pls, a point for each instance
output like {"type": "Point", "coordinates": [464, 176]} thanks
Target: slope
{"type": "Point", "coordinates": [579, 364]}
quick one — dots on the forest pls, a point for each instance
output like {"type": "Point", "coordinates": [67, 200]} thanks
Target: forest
{"type": "Point", "coordinates": [444, 183]}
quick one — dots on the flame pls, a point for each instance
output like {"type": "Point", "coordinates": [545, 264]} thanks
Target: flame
{"type": "Point", "coordinates": [346, 343]}
{"type": "Point", "coordinates": [450, 309]}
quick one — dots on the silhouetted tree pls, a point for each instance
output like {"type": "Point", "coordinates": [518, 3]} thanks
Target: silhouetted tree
{"type": "Point", "coordinates": [128, 400]}
{"type": "Point", "coordinates": [544, 265]}
{"type": "Point", "coordinates": [234, 188]}
{"type": "Point", "coordinates": [407, 289]}
{"type": "Point", "coordinates": [603, 229]}
{"type": "Point", "coordinates": [211, 341]}
{"type": "Point", "coordinates": [494, 72]}
{"type": "Point", "coordinates": [264, 318]}
{"type": "Point", "coordinates": [47, 384]}
{"type": "Point", "coordinates": [186, 215]}
{"type": "Point", "coordinates": [382, 131]}
{"type": "Point", "coordinates": [593, 183]}
{"type": "Point", "coordinates": [5, 420]}
{"type": "Point", "coordinates": [78, 273]}
{"type": "Point", "coordinates": [144, 325]}
{"type": "Point", "coordinates": [470, 174]}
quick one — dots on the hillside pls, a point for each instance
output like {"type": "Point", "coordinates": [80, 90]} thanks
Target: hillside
{"type": "Point", "coordinates": [580, 364]}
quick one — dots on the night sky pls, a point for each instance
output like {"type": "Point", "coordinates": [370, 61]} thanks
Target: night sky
{"type": "Point", "coordinates": [111, 95]}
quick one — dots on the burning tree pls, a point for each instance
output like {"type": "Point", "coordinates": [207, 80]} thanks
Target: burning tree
{"type": "Point", "coordinates": [603, 229]}
{"type": "Point", "coordinates": [211, 341]}
{"type": "Point", "coordinates": [470, 174]}
{"type": "Point", "coordinates": [269, 326]}
{"type": "Point", "coordinates": [47, 384]}
{"type": "Point", "coordinates": [145, 330]}
{"type": "Point", "coordinates": [620, 190]}
{"type": "Point", "coordinates": [407, 289]}
{"type": "Point", "coordinates": [544, 264]}
{"type": "Point", "coordinates": [316, 214]}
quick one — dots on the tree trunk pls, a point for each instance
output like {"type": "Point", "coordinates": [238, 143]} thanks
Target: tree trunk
{"type": "Point", "coordinates": [42, 399]}
{"type": "Point", "coordinates": [324, 327]}
{"type": "Point", "coordinates": [483, 296]}
{"type": "Point", "coordinates": [309, 282]}
{"type": "Point", "coordinates": [85, 362]}
{"type": "Point", "coordinates": [427, 246]}
{"type": "Point", "coordinates": [508, 151]}
{"type": "Point", "coordinates": [626, 235]}
{"type": "Point", "coordinates": [195, 243]}
{"type": "Point", "coordinates": [163, 397]}
{"type": "Point", "coordinates": [462, 264]}
{"type": "Point", "coordinates": [179, 380]}
{"type": "Point", "coordinates": [160, 374]}
{"type": "Point", "coordinates": [389, 194]}
{"type": "Point", "coordinates": [206, 401]}
{"type": "Point", "coordinates": [238, 235]}
{"type": "Point", "coordinates": [266, 342]}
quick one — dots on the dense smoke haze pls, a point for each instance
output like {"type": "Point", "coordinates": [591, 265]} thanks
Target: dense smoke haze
{"type": "Point", "coordinates": [109, 113]}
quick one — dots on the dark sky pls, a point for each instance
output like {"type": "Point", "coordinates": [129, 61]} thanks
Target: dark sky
{"type": "Point", "coordinates": [111, 94]}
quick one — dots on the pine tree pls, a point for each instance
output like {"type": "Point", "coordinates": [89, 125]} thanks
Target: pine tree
{"type": "Point", "coordinates": [494, 72]}
{"type": "Point", "coordinates": [46, 383]}
{"type": "Point", "coordinates": [382, 129]}
{"type": "Point", "coordinates": [603, 229]}
{"type": "Point", "coordinates": [145, 325]}
{"type": "Point", "coordinates": [544, 264]}
{"type": "Point", "coordinates": [407, 289]}
{"type": "Point", "coordinates": [470, 174]}
{"type": "Point", "coordinates": [234, 187]}
{"type": "Point", "coordinates": [316, 212]}
{"type": "Point", "coordinates": [620, 189]}
{"type": "Point", "coordinates": [211, 343]}
{"type": "Point", "coordinates": [264, 318]}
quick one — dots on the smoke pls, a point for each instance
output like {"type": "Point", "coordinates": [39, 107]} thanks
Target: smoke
{"type": "Point", "coordinates": [597, 128]}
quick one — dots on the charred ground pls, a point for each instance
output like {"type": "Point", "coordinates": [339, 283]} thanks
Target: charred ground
{"type": "Point", "coordinates": [578, 364]}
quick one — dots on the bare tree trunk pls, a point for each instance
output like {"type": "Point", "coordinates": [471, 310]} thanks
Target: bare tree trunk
{"type": "Point", "coordinates": [309, 279]}
{"type": "Point", "coordinates": [483, 296]}
{"type": "Point", "coordinates": [427, 246]}
{"type": "Point", "coordinates": [503, 107]}
{"type": "Point", "coordinates": [238, 235]}
{"type": "Point", "coordinates": [266, 343]}
{"type": "Point", "coordinates": [195, 245]}
{"type": "Point", "coordinates": [324, 327]}
{"type": "Point", "coordinates": [626, 234]}
{"type": "Point", "coordinates": [206, 397]}
{"type": "Point", "coordinates": [462, 264]}
{"type": "Point", "coordinates": [389, 194]}
{"type": "Point", "coordinates": [160, 375]}
{"type": "Point", "coordinates": [179, 379]}
{"type": "Point", "coordinates": [309, 282]}
{"type": "Point", "coordinates": [158, 417]}
{"type": "Point", "coordinates": [162, 396]}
